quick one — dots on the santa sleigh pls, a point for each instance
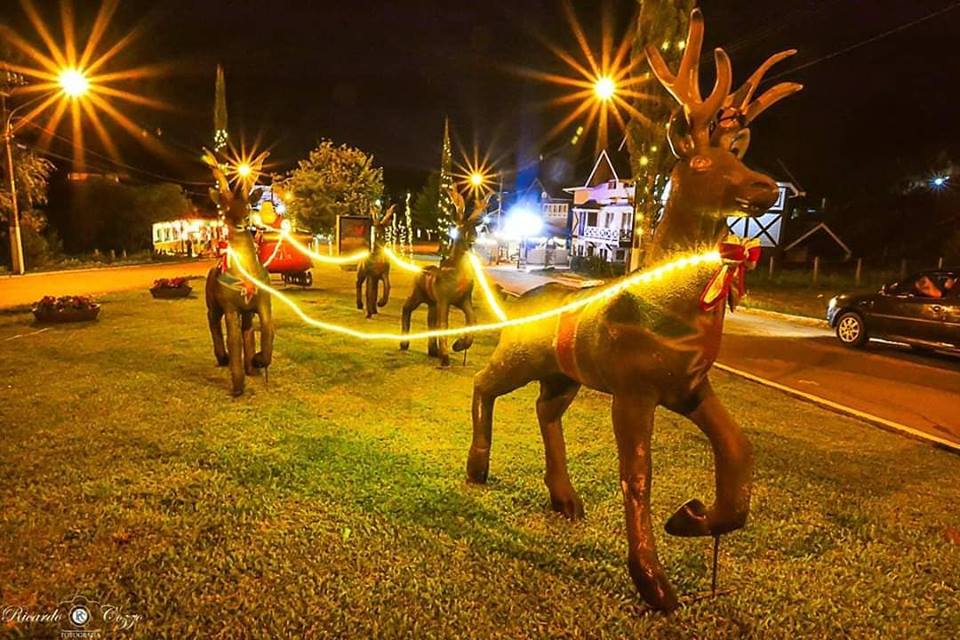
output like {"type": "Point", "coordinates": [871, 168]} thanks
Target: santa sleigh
{"type": "Point", "coordinates": [281, 256]}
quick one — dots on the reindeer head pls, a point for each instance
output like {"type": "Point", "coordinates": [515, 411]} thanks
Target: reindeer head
{"type": "Point", "coordinates": [710, 136]}
{"type": "Point", "coordinates": [232, 200]}
{"type": "Point", "coordinates": [380, 224]}
{"type": "Point", "coordinates": [466, 224]}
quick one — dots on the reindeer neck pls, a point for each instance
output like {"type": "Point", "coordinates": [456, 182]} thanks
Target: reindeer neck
{"type": "Point", "coordinates": [683, 230]}
{"type": "Point", "coordinates": [243, 247]}
{"type": "Point", "coordinates": [457, 254]}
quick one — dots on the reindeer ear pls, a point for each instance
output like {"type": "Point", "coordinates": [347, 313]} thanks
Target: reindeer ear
{"type": "Point", "coordinates": [209, 159]}
{"type": "Point", "coordinates": [458, 203]}
{"type": "Point", "coordinates": [678, 135]}
{"type": "Point", "coordinates": [740, 143]}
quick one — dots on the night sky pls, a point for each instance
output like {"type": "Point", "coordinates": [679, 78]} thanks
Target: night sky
{"type": "Point", "coordinates": [382, 75]}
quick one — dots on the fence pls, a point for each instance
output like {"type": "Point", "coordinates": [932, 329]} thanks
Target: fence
{"type": "Point", "coordinates": [854, 273]}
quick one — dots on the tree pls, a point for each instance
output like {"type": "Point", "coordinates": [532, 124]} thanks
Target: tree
{"type": "Point", "coordinates": [662, 23]}
{"type": "Point", "coordinates": [426, 204]}
{"type": "Point", "coordinates": [332, 181]}
{"type": "Point", "coordinates": [445, 203]}
{"type": "Point", "coordinates": [32, 173]}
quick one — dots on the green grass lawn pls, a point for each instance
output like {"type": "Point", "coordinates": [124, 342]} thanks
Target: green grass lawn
{"type": "Point", "coordinates": [332, 503]}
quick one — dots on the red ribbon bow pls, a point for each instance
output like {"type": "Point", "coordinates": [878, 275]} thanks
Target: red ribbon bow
{"type": "Point", "coordinates": [729, 283]}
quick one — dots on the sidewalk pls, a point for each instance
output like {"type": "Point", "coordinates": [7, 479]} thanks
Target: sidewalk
{"type": "Point", "coordinates": [22, 290]}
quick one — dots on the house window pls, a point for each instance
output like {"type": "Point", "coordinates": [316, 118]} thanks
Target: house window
{"type": "Point", "coordinates": [591, 218]}
{"type": "Point", "coordinates": [619, 255]}
{"type": "Point", "coordinates": [609, 221]}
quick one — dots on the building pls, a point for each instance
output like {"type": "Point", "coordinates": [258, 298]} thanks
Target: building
{"type": "Point", "coordinates": [601, 220]}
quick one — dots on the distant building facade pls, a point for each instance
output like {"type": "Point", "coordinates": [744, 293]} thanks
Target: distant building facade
{"type": "Point", "coordinates": [601, 220]}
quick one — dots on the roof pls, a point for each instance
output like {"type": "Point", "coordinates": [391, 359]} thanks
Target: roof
{"type": "Point", "coordinates": [821, 227]}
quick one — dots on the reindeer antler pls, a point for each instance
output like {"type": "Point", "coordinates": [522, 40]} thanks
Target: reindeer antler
{"type": "Point", "coordinates": [385, 218]}
{"type": "Point", "coordinates": [458, 203]}
{"type": "Point", "coordinates": [684, 86]}
{"type": "Point", "coordinates": [743, 101]}
{"type": "Point", "coordinates": [211, 161]}
{"type": "Point", "coordinates": [479, 208]}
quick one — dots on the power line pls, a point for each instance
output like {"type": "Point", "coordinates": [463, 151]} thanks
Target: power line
{"type": "Point", "coordinates": [879, 36]}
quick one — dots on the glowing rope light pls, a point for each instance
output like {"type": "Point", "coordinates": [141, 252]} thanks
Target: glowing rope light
{"type": "Point", "coordinates": [276, 249]}
{"type": "Point", "coordinates": [485, 285]}
{"type": "Point", "coordinates": [711, 257]}
{"type": "Point", "coordinates": [313, 255]}
{"type": "Point", "coordinates": [400, 262]}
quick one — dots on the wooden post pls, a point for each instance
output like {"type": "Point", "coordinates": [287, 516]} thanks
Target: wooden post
{"type": "Point", "coordinates": [903, 268]}
{"type": "Point", "coordinates": [940, 262]}
{"type": "Point", "coordinates": [816, 269]}
{"type": "Point", "coordinates": [856, 278]}
{"type": "Point", "coordinates": [770, 269]}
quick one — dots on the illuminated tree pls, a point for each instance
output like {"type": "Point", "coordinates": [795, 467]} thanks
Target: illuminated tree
{"type": "Point", "coordinates": [220, 112]}
{"type": "Point", "coordinates": [333, 181]}
{"type": "Point", "coordinates": [662, 23]}
{"type": "Point", "coordinates": [445, 220]}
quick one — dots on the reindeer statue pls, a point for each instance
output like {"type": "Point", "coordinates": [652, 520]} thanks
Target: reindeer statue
{"type": "Point", "coordinates": [653, 342]}
{"type": "Point", "coordinates": [229, 295]}
{"type": "Point", "coordinates": [375, 267]}
{"type": "Point", "coordinates": [448, 285]}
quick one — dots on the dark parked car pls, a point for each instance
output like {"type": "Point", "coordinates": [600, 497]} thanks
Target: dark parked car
{"type": "Point", "coordinates": [922, 311]}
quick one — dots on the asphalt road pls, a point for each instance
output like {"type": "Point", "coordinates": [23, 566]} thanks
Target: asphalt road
{"type": "Point", "coordinates": [16, 291]}
{"type": "Point", "coordinates": [883, 379]}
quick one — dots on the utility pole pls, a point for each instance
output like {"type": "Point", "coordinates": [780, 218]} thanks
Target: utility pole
{"type": "Point", "coordinates": [16, 244]}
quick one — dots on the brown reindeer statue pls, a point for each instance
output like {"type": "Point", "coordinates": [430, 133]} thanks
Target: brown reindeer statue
{"type": "Point", "coordinates": [653, 342]}
{"type": "Point", "coordinates": [230, 296]}
{"type": "Point", "coordinates": [375, 267]}
{"type": "Point", "coordinates": [448, 285]}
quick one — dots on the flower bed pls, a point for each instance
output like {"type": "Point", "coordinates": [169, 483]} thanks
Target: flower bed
{"type": "Point", "coordinates": [66, 309]}
{"type": "Point", "coordinates": [170, 288]}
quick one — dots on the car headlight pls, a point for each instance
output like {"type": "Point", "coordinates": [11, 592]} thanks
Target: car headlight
{"type": "Point", "coordinates": [833, 303]}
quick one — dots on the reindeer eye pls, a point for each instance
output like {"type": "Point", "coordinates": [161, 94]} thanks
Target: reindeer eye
{"type": "Point", "coordinates": [700, 163]}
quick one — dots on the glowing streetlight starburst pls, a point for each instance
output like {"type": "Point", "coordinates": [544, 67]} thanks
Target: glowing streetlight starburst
{"type": "Point", "coordinates": [76, 79]}
{"type": "Point", "coordinates": [245, 167]}
{"type": "Point", "coordinates": [604, 87]}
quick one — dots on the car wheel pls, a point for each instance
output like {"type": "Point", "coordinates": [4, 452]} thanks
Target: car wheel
{"type": "Point", "coordinates": [850, 330]}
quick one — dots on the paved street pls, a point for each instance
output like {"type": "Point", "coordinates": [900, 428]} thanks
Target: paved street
{"type": "Point", "coordinates": [16, 291]}
{"type": "Point", "coordinates": [885, 380]}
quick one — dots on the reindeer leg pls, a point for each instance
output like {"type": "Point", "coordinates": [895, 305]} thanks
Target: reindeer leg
{"type": "Point", "coordinates": [443, 322]}
{"type": "Point", "coordinates": [249, 342]}
{"type": "Point", "coordinates": [491, 382]}
{"type": "Point", "coordinates": [414, 301]}
{"type": "Point", "coordinates": [733, 462]}
{"type": "Point", "coordinates": [235, 351]}
{"type": "Point", "coordinates": [432, 348]}
{"type": "Point", "coordinates": [215, 320]}
{"type": "Point", "coordinates": [465, 341]}
{"type": "Point", "coordinates": [633, 427]}
{"type": "Point", "coordinates": [385, 297]}
{"type": "Point", "coordinates": [556, 394]}
{"type": "Point", "coordinates": [373, 283]}
{"type": "Point", "coordinates": [361, 276]}
{"type": "Point", "coordinates": [264, 357]}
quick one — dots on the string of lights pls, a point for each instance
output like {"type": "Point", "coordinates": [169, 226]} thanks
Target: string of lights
{"type": "Point", "coordinates": [639, 277]}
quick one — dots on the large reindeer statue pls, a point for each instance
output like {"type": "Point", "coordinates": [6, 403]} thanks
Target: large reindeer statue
{"type": "Point", "coordinates": [229, 295]}
{"type": "Point", "coordinates": [654, 342]}
{"type": "Point", "coordinates": [375, 267]}
{"type": "Point", "coordinates": [448, 285]}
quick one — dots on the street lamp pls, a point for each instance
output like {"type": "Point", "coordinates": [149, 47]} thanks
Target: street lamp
{"type": "Point", "coordinates": [477, 179]}
{"type": "Point", "coordinates": [73, 84]}
{"type": "Point", "coordinates": [604, 88]}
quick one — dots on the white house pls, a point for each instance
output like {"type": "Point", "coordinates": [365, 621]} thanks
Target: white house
{"type": "Point", "coordinates": [602, 211]}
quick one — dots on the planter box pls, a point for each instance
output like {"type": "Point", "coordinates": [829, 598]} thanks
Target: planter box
{"type": "Point", "coordinates": [167, 293]}
{"type": "Point", "coordinates": [67, 315]}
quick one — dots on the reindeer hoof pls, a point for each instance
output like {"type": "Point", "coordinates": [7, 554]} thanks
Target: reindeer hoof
{"type": "Point", "coordinates": [237, 392]}
{"type": "Point", "coordinates": [689, 521]}
{"type": "Point", "coordinates": [404, 346]}
{"type": "Point", "coordinates": [653, 586]}
{"type": "Point", "coordinates": [259, 361]}
{"type": "Point", "coordinates": [223, 360]}
{"type": "Point", "coordinates": [360, 306]}
{"type": "Point", "coordinates": [571, 507]}
{"type": "Point", "coordinates": [444, 362]}
{"type": "Point", "coordinates": [478, 467]}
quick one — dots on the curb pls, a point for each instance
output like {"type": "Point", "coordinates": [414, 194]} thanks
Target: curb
{"type": "Point", "coordinates": [869, 418]}
{"type": "Point", "coordinates": [135, 265]}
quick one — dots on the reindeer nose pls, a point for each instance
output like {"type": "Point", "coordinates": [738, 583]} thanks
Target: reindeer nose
{"type": "Point", "coordinates": [765, 192]}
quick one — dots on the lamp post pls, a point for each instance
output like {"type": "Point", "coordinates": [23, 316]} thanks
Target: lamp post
{"type": "Point", "coordinates": [73, 84]}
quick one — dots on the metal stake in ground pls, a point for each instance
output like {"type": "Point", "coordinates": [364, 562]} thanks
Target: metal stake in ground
{"type": "Point", "coordinates": [716, 554]}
